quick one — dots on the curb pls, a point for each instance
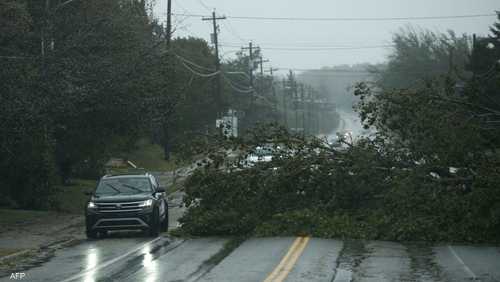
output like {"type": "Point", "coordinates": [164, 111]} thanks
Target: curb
{"type": "Point", "coordinates": [55, 246]}
{"type": "Point", "coordinates": [15, 255]}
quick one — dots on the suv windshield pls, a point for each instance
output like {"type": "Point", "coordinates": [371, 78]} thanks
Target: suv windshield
{"type": "Point", "coordinates": [263, 151]}
{"type": "Point", "coordinates": [132, 185]}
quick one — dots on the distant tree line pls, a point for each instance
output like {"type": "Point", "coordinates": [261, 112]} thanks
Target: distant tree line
{"type": "Point", "coordinates": [83, 80]}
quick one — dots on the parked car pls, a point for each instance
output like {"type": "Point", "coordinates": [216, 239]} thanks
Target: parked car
{"type": "Point", "coordinates": [257, 155]}
{"type": "Point", "coordinates": [127, 202]}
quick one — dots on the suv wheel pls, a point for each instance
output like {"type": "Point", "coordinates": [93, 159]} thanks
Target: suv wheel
{"type": "Point", "coordinates": [164, 224]}
{"type": "Point", "coordinates": [154, 229]}
{"type": "Point", "coordinates": [91, 234]}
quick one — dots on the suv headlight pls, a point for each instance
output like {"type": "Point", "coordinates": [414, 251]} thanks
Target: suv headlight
{"type": "Point", "coordinates": [91, 205]}
{"type": "Point", "coordinates": [146, 204]}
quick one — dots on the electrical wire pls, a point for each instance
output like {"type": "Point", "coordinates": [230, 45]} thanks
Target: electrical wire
{"type": "Point", "coordinates": [299, 44]}
{"type": "Point", "coordinates": [236, 88]}
{"type": "Point", "coordinates": [199, 73]}
{"type": "Point", "coordinates": [238, 85]}
{"type": "Point", "coordinates": [227, 25]}
{"type": "Point", "coordinates": [326, 70]}
{"type": "Point", "coordinates": [349, 19]}
{"type": "Point", "coordinates": [318, 49]}
{"type": "Point", "coordinates": [186, 11]}
{"type": "Point", "coordinates": [192, 63]}
{"type": "Point", "coordinates": [206, 7]}
{"type": "Point", "coordinates": [238, 73]}
{"type": "Point", "coordinates": [251, 90]}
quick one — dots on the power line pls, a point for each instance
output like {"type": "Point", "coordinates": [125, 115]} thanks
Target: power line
{"type": "Point", "coordinates": [199, 73]}
{"type": "Point", "coordinates": [310, 44]}
{"type": "Point", "coordinates": [318, 48]}
{"type": "Point", "coordinates": [233, 31]}
{"type": "Point", "coordinates": [185, 63]}
{"type": "Point", "coordinates": [350, 19]}
{"type": "Point", "coordinates": [239, 85]}
{"type": "Point", "coordinates": [193, 63]}
{"type": "Point", "coordinates": [237, 88]}
{"type": "Point", "coordinates": [325, 70]}
{"type": "Point", "coordinates": [217, 82]}
{"type": "Point", "coordinates": [186, 11]}
{"type": "Point", "coordinates": [205, 6]}
{"type": "Point", "coordinates": [238, 73]}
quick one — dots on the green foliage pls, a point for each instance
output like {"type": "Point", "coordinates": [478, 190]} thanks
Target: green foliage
{"type": "Point", "coordinates": [150, 157]}
{"type": "Point", "coordinates": [427, 174]}
{"type": "Point", "coordinates": [362, 192]}
{"type": "Point", "coordinates": [430, 172]}
{"type": "Point", "coordinates": [72, 198]}
{"type": "Point", "coordinates": [77, 83]}
{"type": "Point", "coordinates": [422, 54]}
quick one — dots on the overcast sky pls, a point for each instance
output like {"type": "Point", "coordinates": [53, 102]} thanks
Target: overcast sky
{"type": "Point", "coordinates": [313, 34]}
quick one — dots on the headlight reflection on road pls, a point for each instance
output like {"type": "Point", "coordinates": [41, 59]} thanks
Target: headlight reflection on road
{"type": "Point", "coordinates": [150, 265]}
{"type": "Point", "coordinates": [92, 261]}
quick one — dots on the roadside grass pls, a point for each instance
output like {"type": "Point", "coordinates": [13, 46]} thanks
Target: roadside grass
{"type": "Point", "coordinates": [11, 218]}
{"type": "Point", "coordinates": [72, 198]}
{"type": "Point", "coordinates": [6, 252]}
{"type": "Point", "coordinates": [150, 157]}
{"type": "Point", "coordinates": [174, 188]}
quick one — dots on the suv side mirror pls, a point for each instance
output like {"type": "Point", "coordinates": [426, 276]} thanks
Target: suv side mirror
{"type": "Point", "coordinates": [88, 193]}
{"type": "Point", "coordinates": [160, 189]}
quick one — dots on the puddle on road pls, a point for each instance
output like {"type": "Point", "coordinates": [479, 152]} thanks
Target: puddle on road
{"type": "Point", "coordinates": [422, 263]}
{"type": "Point", "coordinates": [351, 256]}
{"type": "Point", "coordinates": [420, 257]}
{"type": "Point", "coordinates": [35, 258]}
{"type": "Point", "coordinates": [143, 259]}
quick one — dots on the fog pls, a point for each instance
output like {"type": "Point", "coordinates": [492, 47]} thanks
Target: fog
{"type": "Point", "coordinates": [302, 36]}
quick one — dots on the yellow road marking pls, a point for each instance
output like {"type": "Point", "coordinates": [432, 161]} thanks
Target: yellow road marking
{"type": "Point", "coordinates": [286, 264]}
{"type": "Point", "coordinates": [283, 261]}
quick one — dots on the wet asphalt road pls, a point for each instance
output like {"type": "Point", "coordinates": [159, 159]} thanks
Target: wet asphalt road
{"type": "Point", "coordinates": [135, 257]}
{"type": "Point", "coordinates": [132, 257]}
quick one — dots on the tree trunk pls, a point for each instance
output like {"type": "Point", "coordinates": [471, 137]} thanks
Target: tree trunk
{"type": "Point", "coordinates": [166, 144]}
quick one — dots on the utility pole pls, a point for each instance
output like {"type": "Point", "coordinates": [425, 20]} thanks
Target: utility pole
{"type": "Point", "coordinates": [450, 61]}
{"type": "Point", "coordinates": [271, 71]}
{"type": "Point", "coordinates": [296, 105]}
{"type": "Point", "coordinates": [285, 114]}
{"type": "Point", "coordinates": [302, 107]}
{"type": "Point", "coordinates": [273, 89]}
{"type": "Point", "coordinates": [169, 24]}
{"type": "Point", "coordinates": [474, 41]}
{"type": "Point", "coordinates": [261, 63]}
{"type": "Point", "coordinates": [171, 78]}
{"type": "Point", "coordinates": [43, 36]}
{"type": "Point", "coordinates": [218, 82]}
{"type": "Point", "coordinates": [250, 49]}
{"type": "Point", "coordinates": [308, 110]}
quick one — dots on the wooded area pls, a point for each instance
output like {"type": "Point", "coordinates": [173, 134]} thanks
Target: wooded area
{"type": "Point", "coordinates": [84, 80]}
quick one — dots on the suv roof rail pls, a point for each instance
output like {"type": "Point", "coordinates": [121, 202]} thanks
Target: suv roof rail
{"type": "Point", "coordinates": [128, 171]}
